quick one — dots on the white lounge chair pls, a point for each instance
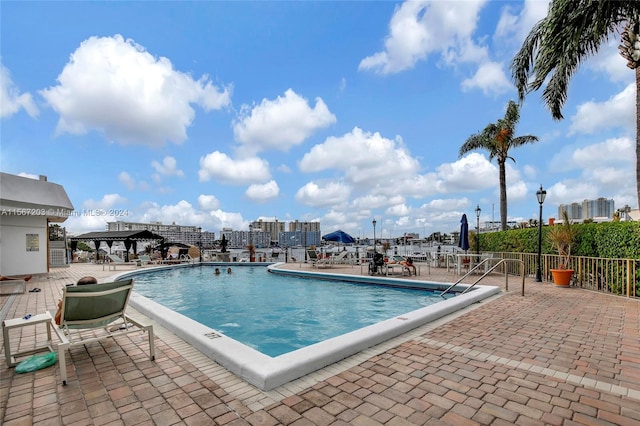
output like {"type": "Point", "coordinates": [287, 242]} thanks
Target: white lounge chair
{"type": "Point", "coordinates": [115, 260]}
{"type": "Point", "coordinates": [144, 260]}
{"type": "Point", "coordinates": [341, 258]}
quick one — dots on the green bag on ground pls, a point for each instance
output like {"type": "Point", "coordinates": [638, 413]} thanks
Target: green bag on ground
{"type": "Point", "coordinates": [37, 362]}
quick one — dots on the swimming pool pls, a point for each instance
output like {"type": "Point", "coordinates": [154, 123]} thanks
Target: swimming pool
{"type": "Point", "coordinates": [267, 372]}
{"type": "Point", "coordinates": [277, 314]}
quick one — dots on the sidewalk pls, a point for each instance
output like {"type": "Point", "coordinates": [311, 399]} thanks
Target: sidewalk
{"type": "Point", "coordinates": [554, 356]}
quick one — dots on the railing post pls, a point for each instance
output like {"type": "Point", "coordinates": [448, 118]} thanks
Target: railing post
{"type": "Point", "coordinates": [506, 276]}
{"type": "Point", "coordinates": [522, 273]}
{"type": "Point", "coordinates": [629, 279]}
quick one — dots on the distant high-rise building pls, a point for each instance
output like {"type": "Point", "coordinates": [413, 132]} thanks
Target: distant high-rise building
{"type": "Point", "coordinates": [296, 225]}
{"type": "Point", "coordinates": [588, 209]}
{"type": "Point", "coordinates": [301, 234]}
{"type": "Point", "coordinates": [186, 234]}
{"type": "Point", "coordinates": [274, 228]}
{"type": "Point", "coordinates": [600, 207]}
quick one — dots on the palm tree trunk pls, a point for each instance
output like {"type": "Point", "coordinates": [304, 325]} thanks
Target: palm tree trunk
{"type": "Point", "coordinates": [503, 195]}
{"type": "Point", "coordinates": [638, 133]}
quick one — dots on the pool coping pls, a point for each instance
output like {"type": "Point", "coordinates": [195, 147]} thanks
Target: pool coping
{"type": "Point", "coordinates": [267, 372]}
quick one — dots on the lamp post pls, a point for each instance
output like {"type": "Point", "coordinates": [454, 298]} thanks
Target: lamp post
{"type": "Point", "coordinates": [200, 243]}
{"type": "Point", "coordinates": [478, 211]}
{"type": "Point", "coordinates": [373, 222]}
{"type": "Point", "coordinates": [540, 195]}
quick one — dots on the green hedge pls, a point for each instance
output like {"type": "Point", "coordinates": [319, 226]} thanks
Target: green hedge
{"type": "Point", "coordinates": [612, 240]}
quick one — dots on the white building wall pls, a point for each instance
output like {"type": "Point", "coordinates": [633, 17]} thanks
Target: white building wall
{"type": "Point", "coordinates": [14, 257]}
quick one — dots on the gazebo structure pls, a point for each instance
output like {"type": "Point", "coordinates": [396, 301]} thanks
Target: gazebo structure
{"type": "Point", "coordinates": [129, 238]}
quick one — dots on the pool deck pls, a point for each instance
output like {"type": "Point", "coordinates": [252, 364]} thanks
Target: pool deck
{"type": "Point", "coordinates": [557, 356]}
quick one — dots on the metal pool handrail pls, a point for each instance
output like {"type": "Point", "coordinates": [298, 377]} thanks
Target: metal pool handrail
{"type": "Point", "coordinates": [506, 275]}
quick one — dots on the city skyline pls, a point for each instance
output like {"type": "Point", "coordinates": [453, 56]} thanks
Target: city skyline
{"type": "Point", "coordinates": [208, 114]}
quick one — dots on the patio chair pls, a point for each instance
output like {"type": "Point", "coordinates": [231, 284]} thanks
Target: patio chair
{"type": "Point", "coordinates": [115, 260]}
{"type": "Point", "coordinates": [144, 260]}
{"type": "Point", "coordinates": [95, 312]}
{"type": "Point", "coordinates": [341, 258]}
{"type": "Point", "coordinates": [315, 260]}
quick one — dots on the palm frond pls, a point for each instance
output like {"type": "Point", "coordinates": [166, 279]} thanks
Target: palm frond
{"type": "Point", "coordinates": [554, 49]}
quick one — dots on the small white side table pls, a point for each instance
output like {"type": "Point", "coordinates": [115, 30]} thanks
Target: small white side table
{"type": "Point", "coordinates": [21, 322]}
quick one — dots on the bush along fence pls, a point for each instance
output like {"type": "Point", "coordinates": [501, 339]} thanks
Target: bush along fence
{"type": "Point", "coordinates": [613, 276]}
{"type": "Point", "coordinates": [605, 256]}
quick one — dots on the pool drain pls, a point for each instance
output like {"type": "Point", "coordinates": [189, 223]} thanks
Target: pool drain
{"type": "Point", "coordinates": [212, 335]}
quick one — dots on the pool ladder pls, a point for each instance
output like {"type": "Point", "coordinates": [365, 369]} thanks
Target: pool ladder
{"type": "Point", "coordinates": [490, 270]}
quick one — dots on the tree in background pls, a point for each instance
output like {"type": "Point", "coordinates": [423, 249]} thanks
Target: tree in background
{"type": "Point", "coordinates": [497, 138]}
{"type": "Point", "coordinates": [572, 31]}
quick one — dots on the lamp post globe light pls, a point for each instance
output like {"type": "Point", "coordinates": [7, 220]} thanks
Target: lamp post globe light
{"type": "Point", "coordinates": [540, 195]}
{"type": "Point", "coordinates": [478, 211]}
{"type": "Point", "coordinates": [373, 222]}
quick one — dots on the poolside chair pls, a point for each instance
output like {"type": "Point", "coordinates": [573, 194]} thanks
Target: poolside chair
{"type": "Point", "coordinates": [392, 264]}
{"type": "Point", "coordinates": [144, 260]}
{"type": "Point", "coordinates": [312, 256]}
{"type": "Point", "coordinates": [115, 260]}
{"type": "Point", "coordinates": [340, 258]}
{"type": "Point", "coordinates": [96, 312]}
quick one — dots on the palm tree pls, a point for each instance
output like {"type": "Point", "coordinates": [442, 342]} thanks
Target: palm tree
{"type": "Point", "coordinates": [498, 139]}
{"type": "Point", "coordinates": [571, 31]}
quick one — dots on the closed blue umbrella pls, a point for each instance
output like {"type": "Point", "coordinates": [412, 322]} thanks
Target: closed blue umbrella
{"type": "Point", "coordinates": [463, 243]}
{"type": "Point", "coordinates": [339, 237]}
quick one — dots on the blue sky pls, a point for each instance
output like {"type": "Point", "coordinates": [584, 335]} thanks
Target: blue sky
{"type": "Point", "coordinates": [216, 114]}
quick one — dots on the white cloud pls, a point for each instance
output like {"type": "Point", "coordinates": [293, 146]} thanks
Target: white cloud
{"type": "Point", "coordinates": [515, 28]}
{"type": "Point", "coordinates": [609, 61]}
{"type": "Point", "coordinates": [208, 202]}
{"type": "Point", "coordinates": [167, 167]}
{"type": "Point", "coordinates": [107, 201]}
{"type": "Point", "coordinates": [323, 194]}
{"type": "Point", "coordinates": [11, 100]}
{"type": "Point", "coordinates": [263, 192]}
{"type": "Point", "coordinates": [126, 179]}
{"type": "Point", "coordinates": [473, 172]}
{"type": "Point", "coordinates": [420, 28]}
{"type": "Point", "coordinates": [221, 167]}
{"type": "Point", "coordinates": [612, 152]}
{"type": "Point", "coordinates": [222, 219]}
{"type": "Point", "coordinates": [114, 86]}
{"type": "Point", "coordinates": [364, 157]}
{"type": "Point", "coordinates": [490, 78]}
{"type": "Point", "coordinates": [373, 201]}
{"type": "Point", "coordinates": [281, 123]}
{"type": "Point", "coordinates": [603, 172]}
{"type": "Point", "coordinates": [618, 111]}
{"type": "Point", "coordinates": [571, 191]}
{"type": "Point", "coordinates": [398, 210]}
{"type": "Point", "coordinates": [184, 213]}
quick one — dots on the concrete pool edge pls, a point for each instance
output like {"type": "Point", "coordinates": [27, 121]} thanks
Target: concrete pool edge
{"type": "Point", "coordinates": [266, 372]}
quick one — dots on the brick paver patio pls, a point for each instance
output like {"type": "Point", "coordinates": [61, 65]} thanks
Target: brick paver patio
{"type": "Point", "coordinates": [555, 356]}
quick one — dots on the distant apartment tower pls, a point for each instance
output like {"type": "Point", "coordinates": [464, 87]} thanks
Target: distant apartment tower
{"type": "Point", "coordinates": [272, 228]}
{"type": "Point", "coordinates": [574, 211]}
{"type": "Point", "coordinates": [302, 234]}
{"type": "Point", "coordinates": [241, 239]}
{"type": "Point", "coordinates": [600, 207]}
{"type": "Point", "coordinates": [588, 209]}
{"type": "Point", "coordinates": [296, 225]}
{"type": "Point", "coordinates": [186, 234]}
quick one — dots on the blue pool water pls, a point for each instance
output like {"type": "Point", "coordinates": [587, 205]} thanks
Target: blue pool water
{"type": "Point", "coordinates": [272, 313]}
